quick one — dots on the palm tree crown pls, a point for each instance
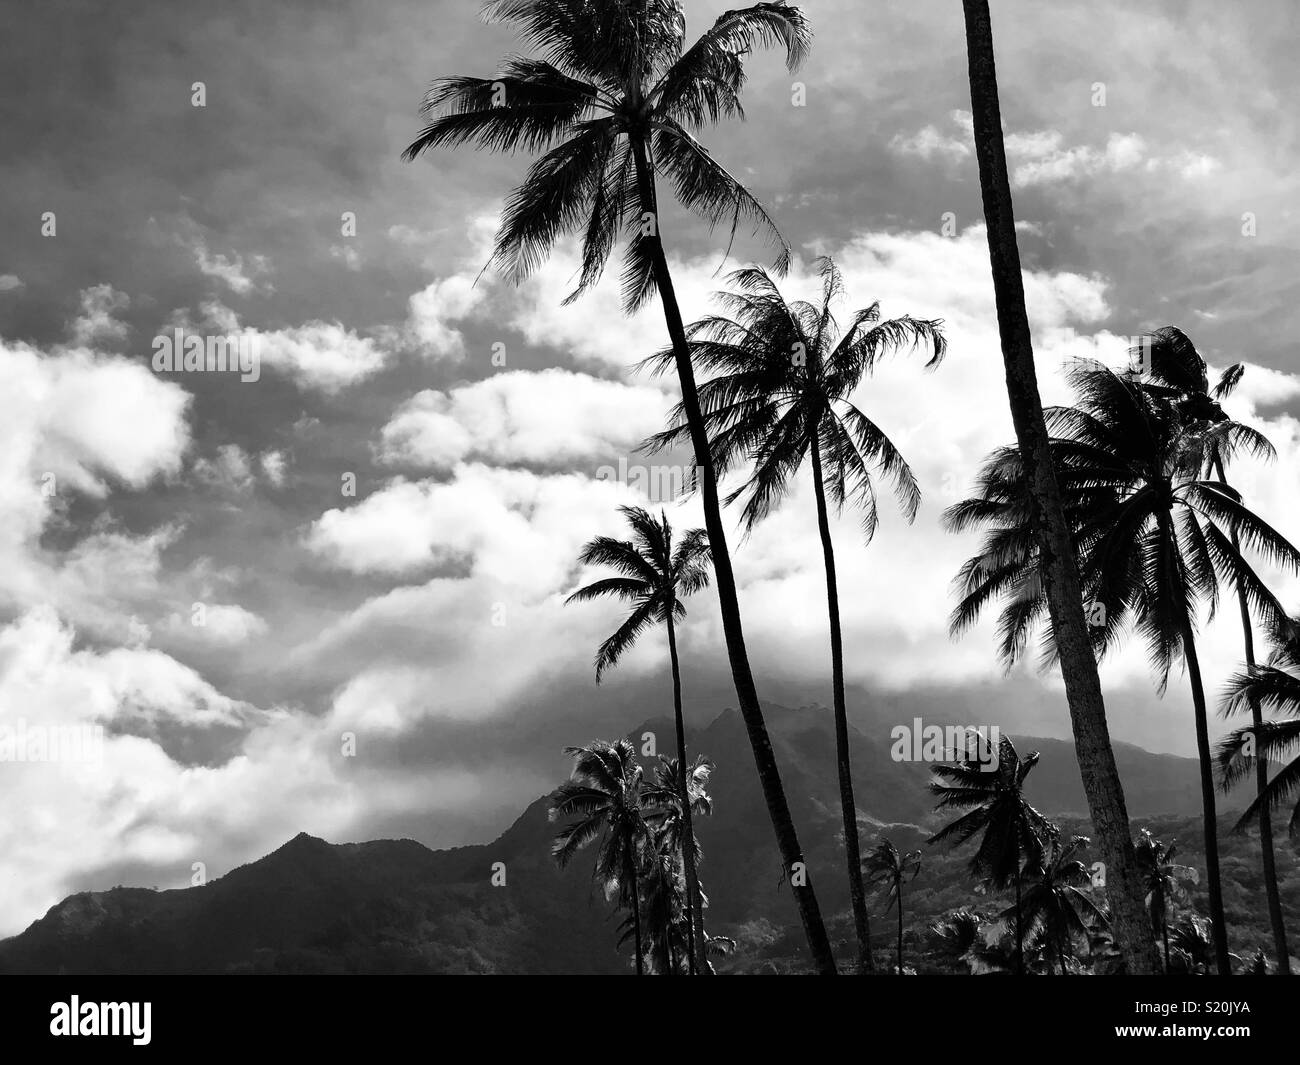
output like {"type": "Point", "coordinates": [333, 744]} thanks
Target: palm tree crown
{"type": "Point", "coordinates": [1151, 533]}
{"type": "Point", "coordinates": [1055, 907]}
{"type": "Point", "coordinates": [655, 574]}
{"type": "Point", "coordinates": [611, 76]}
{"type": "Point", "coordinates": [1274, 686]}
{"type": "Point", "coordinates": [782, 374]}
{"type": "Point", "coordinates": [1013, 830]}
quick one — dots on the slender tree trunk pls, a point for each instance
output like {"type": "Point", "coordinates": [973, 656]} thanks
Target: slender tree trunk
{"type": "Point", "coordinates": [1101, 781]}
{"type": "Point", "coordinates": [1020, 942]}
{"type": "Point", "coordinates": [694, 909]}
{"type": "Point", "coordinates": [778, 809]}
{"type": "Point", "coordinates": [900, 928]}
{"type": "Point", "coordinates": [1280, 951]}
{"type": "Point", "coordinates": [848, 807]}
{"type": "Point", "coordinates": [636, 921]}
{"type": "Point", "coordinates": [1209, 814]}
{"type": "Point", "coordinates": [1164, 935]}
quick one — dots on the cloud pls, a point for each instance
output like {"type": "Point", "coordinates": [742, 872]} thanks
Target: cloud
{"type": "Point", "coordinates": [317, 356]}
{"type": "Point", "coordinates": [10, 282]}
{"type": "Point", "coordinates": [233, 271]}
{"type": "Point", "coordinates": [1041, 157]}
{"type": "Point", "coordinates": [546, 418]}
{"type": "Point", "coordinates": [97, 323]}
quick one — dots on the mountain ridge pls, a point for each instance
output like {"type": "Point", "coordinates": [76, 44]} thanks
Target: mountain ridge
{"type": "Point", "coordinates": [397, 905]}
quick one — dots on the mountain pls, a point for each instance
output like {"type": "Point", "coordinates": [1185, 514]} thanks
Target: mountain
{"type": "Point", "coordinates": [396, 906]}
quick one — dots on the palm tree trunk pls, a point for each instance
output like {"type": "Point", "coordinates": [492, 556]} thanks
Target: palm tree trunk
{"type": "Point", "coordinates": [1209, 815]}
{"type": "Point", "coordinates": [769, 775]}
{"type": "Point", "coordinates": [1101, 781]}
{"type": "Point", "coordinates": [694, 910]}
{"type": "Point", "coordinates": [1020, 943]}
{"type": "Point", "coordinates": [636, 921]}
{"type": "Point", "coordinates": [1060, 955]}
{"type": "Point", "coordinates": [1261, 777]}
{"type": "Point", "coordinates": [1164, 935]}
{"type": "Point", "coordinates": [900, 928]}
{"type": "Point", "coordinates": [848, 807]}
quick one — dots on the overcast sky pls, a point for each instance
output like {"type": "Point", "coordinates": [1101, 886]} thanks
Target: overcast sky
{"type": "Point", "coordinates": [423, 615]}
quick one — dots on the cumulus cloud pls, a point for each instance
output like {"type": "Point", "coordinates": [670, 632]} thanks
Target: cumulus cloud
{"type": "Point", "coordinates": [547, 418]}
{"type": "Point", "coordinates": [1042, 157]}
{"type": "Point", "coordinates": [97, 324]}
{"type": "Point", "coordinates": [233, 271]}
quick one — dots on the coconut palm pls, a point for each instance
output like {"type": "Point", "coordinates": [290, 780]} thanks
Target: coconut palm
{"type": "Point", "coordinates": [1164, 882]}
{"type": "Point", "coordinates": [1055, 908]}
{"type": "Point", "coordinates": [669, 928]}
{"type": "Point", "coordinates": [887, 865]}
{"type": "Point", "coordinates": [1013, 833]}
{"type": "Point", "coordinates": [654, 575]}
{"type": "Point", "coordinates": [1153, 540]}
{"type": "Point", "coordinates": [1092, 746]}
{"type": "Point", "coordinates": [1273, 686]}
{"type": "Point", "coordinates": [603, 796]}
{"type": "Point", "coordinates": [781, 378]}
{"type": "Point", "coordinates": [614, 103]}
{"type": "Point", "coordinates": [1172, 364]}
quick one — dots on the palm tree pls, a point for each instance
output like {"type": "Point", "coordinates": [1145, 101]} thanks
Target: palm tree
{"type": "Point", "coordinates": [1101, 781]}
{"type": "Point", "coordinates": [603, 795]}
{"type": "Point", "coordinates": [1274, 686]}
{"type": "Point", "coordinates": [1164, 882]}
{"type": "Point", "coordinates": [1151, 538]}
{"type": "Point", "coordinates": [1013, 831]}
{"type": "Point", "coordinates": [1055, 909]}
{"type": "Point", "coordinates": [782, 374]}
{"type": "Point", "coordinates": [887, 865]}
{"type": "Point", "coordinates": [667, 893]}
{"type": "Point", "coordinates": [1173, 365]}
{"type": "Point", "coordinates": [614, 103]}
{"type": "Point", "coordinates": [654, 576]}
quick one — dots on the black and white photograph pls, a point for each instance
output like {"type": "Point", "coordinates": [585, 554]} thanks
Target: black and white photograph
{"type": "Point", "coordinates": [590, 488]}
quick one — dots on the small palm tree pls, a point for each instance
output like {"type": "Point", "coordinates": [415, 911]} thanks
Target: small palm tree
{"type": "Point", "coordinates": [887, 865]}
{"type": "Point", "coordinates": [654, 575]}
{"type": "Point", "coordinates": [1013, 832]}
{"type": "Point", "coordinates": [1164, 882]}
{"type": "Point", "coordinates": [603, 796]}
{"type": "Point", "coordinates": [1153, 540]}
{"type": "Point", "coordinates": [614, 104]}
{"type": "Point", "coordinates": [782, 378]}
{"type": "Point", "coordinates": [1055, 909]}
{"type": "Point", "coordinates": [1175, 369]}
{"type": "Point", "coordinates": [669, 930]}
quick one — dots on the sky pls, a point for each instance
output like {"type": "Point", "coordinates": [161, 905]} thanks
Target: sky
{"type": "Point", "coordinates": [331, 599]}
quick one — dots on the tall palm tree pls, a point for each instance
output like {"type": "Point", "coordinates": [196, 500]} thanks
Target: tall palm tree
{"type": "Point", "coordinates": [1101, 782]}
{"type": "Point", "coordinates": [889, 866]}
{"type": "Point", "coordinates": [615, 103]}
{"type": "Point", "coordinates": [1152, 537]}
{"type": "Point", "coordinates": [782, 375]}
{"type": "Point", "coordinates": [1055, 907]}
{"type": "Point", "coordinates": [654, 575]}
{"type": "Point", "coordinates": [1164, 882]}
{"type": "Point", "coordinates": [603, 796]}
{"type": "Point", "coordinates": [1172, 364]}
{"type": "Point", "coordinates": [1014, 833]}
